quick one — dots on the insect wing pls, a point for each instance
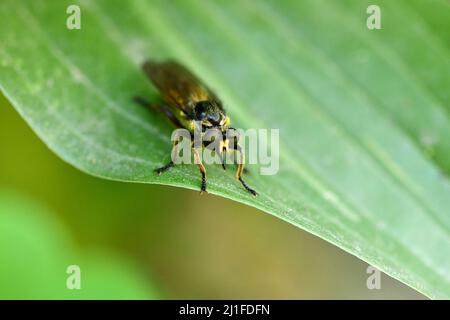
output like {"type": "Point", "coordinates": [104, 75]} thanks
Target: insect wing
{"type": "Point", "coordinates": [177, 85]}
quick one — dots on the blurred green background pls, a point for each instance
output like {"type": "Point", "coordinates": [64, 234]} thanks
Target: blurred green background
{"type": "Point", "coordinates": [149, 241]}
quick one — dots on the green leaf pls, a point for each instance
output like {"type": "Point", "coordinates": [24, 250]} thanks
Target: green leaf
{"type": "Point", "coordinates": [363, 114]}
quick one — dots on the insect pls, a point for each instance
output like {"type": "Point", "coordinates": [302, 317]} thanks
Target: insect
{"type": "Point", "coordinates": [186, 101]}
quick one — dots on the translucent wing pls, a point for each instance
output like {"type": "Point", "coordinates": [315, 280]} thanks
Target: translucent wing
{"type": "Point", "coordinates": [178, 86]}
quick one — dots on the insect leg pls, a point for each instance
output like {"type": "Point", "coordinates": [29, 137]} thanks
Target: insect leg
{"type": "Point", "coordinates": [164, 168]}
{"type": "Point", "coordinates": [145, 103]}
{"type": "Point", "coordinates": [240, 169]}
{"type": "Point", "coordinates": [222, 155]}
{"type": "Point", "coordinates": [245, 170]}
{"type": "Point", "coordinates": [236, 143]}
{"type": "Point", "coordinates": [220, 152]}
{"type": "Point", "coordinates": [202, 170]}
{"type": "Point", "coordinates": [157, 107]}
{"type": "Point", "coordinates": [171, 163]}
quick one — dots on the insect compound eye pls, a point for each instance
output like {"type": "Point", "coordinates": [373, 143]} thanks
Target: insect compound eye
{"type": "Point", "coordinates": [200, 110]}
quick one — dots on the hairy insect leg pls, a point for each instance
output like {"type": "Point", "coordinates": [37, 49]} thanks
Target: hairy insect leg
{"type": "Point", "coordinates": [235, 162]}
{"type": "Point", "coordinates": [164, 168]}
{"type": "Point", "coordinates": [171, 163]}
{"type": "Point", "coordinates": [240, 170]}
{"type": "Point", "coordinates": [221, 153]}
{"type": "Point", "coordinates": [202, 170]}
{"type": "Point", "coordinates": [222, 156]}
{"type": "Point", "coordinates": [144, 102]}
{"type": "Point", "coordinates": [235, 147]}
{"type": "Point", "coordinates": [157, 107]}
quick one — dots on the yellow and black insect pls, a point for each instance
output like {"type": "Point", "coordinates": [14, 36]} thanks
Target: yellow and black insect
{"type": "Point", "coordinates": [187, 101]}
